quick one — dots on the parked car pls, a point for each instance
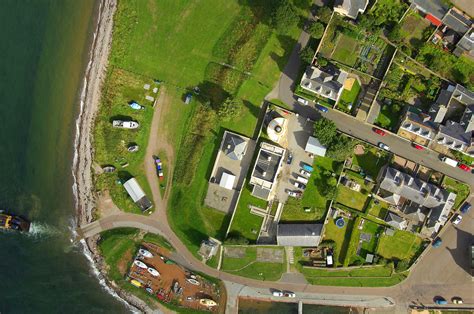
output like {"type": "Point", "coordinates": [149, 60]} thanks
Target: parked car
{"type": "Point", "coordinates": [289, 294]}
{"type": "Point", "coordinates": [289, 159]}
{"type": "Point", "coordinates": [464, 167]}
{"type": "Point", "coordinates": [379, 131]}
{"type": "Point", "coordinates": [383, 146]}
{"type": "Point", "coordinates": [303, 101]}
{"type": "Point", "coordinates": [419, 147]}
{"type": "Point", "coordinates": [302, 179]}
{"type": "Point", "coordinates": [305, 173]}
{"type": "Point", "coordinates": [437, 242]}
{"type": "Point", "coordinates": [321, 108]}
{"type": "Point", "coordinates": [296, 194]}
{"type": "Point", "coordinates": [277, 293]}
{"type": "Point", "coordinates": [299, 185]}
{"type": "Point", "coordinates": [457, 219]}
{"type": "Point", "coordinates": [465, 208]}
{"type": "Point", "coordinates": [308, 168]}
{"type": "Point", "coordinates": [456, 300]}
{"type": "Point", "coordinates": [449, 161]}
{"type": "Point", "coordinates": [440, 301]}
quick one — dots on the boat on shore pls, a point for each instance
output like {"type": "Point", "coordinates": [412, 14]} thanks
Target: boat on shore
{"type": "Point", "coordinates": [125, 124]}
{"type": "Point", "coordinates": [13, 222]}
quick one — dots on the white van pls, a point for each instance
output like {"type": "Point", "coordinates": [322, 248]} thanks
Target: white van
{"type": "Point", "coordinates": [449, 161]}
{"type": "Point", "coordinates": [302, 180]}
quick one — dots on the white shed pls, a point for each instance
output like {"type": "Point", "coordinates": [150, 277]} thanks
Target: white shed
{"type": "Point", "coordinates": [314, 147]}
{"type": "Point", "coordinates": [227, 181]}
{"type": "Point", "coordinates": [137, 194]}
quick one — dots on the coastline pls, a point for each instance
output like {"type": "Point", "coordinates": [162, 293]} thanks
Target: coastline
{"type": "Point", "coordinates": [83, 186]}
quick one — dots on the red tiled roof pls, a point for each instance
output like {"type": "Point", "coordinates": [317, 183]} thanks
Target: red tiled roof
{"type": "Point", "coordinates": [433, 19]}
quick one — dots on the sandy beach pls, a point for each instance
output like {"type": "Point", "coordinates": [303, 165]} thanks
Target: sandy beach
{"type": "Point", "coordinates": [83, 187]}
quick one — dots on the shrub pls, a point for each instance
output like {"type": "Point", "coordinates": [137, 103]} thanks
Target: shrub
{"type": "Point", "coordinates": [402, 265]}
{"type": "Point", "coordinates": [307, 54]}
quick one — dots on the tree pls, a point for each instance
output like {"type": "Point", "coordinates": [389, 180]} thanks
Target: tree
{"type": "Point", "coordinates": [284, 16]}
{"type": "Point", "coordinates": [324, 14]}
{"type": "Point", "coordinates": [229, 109]}
{"type": "Point", "coordinates": [316, 30]}
{"type": "Point", "coordinates": [341, 147]}
{"type": "Point", "coordinates": [307, 54]}
{"type": "Point", "coordinates": [325, 131]}
{"type": "Point", "coordinates": [395, 35]}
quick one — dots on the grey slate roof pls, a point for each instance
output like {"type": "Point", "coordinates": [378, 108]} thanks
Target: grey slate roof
{"type": "Point", "coordinates": [457, 22]}
{"type": "Point", "coordinates": [234, 147]}
{"type": "Point", "coordinates": [465, 45]}
{"type": "Point", "coordinates": [353, 7]}
{"type": "Point", "coordinates": [415, 212]}
{"type": "Point", "coordinates": [434, 7]}
{"type": "Point", "coordinates": [328, 85]}
{"type": "Point", "coordinates": [412, 189]}
{"type": "Point", "coordinates": [396, 221]}
{"type": "Point", "coordinates": [299, 234]}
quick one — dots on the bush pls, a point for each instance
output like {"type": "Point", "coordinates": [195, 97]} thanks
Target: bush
{"type": "Point", "coordinates": [236, 238]}
{"type": "Point", "coordinates": [322, 61]}
{"type": "Point", "coordinates": [402, 265]}
{"type": "Point", "coordinates": [229, 109]}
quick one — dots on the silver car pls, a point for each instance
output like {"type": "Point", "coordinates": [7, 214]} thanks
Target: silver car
{"type": "Point", "coordinates": [383, 146]}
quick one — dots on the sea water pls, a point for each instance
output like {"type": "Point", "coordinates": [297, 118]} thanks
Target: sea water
{"type": "Point", "coordinates": [43, 56]}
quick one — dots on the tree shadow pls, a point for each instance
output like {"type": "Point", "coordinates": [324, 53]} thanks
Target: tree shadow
{"type": "Point", "coordinates": [195, 236]}
{"type": "Point", "coordinates": [211, 92]}
{"type": "Point", "coordinates": [124, 175]}
{"type": "Point", "coordinates": [261, 9]}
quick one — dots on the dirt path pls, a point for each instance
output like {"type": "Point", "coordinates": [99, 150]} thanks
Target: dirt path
{"type": "Point", "coordinates": [157, 143]}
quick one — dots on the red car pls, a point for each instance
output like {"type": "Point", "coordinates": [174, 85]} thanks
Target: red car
{"type": "Point", "coordinates": [419, 147]}
{"type": "Point", "coordinates": [464, 167]}
{"type": "Point", "coordinates": [379, 132]}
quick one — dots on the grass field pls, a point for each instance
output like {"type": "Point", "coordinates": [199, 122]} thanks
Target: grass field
{"type": "Point", "coordinates": [181, 44]}
{"type": "Point", "coordinates": [248, 266]}
{"type": "Point", "coordinates": [246, 224]}
{"type": "Point", "coordinates": [347, 50]}
{"type": "Point", "coordinates": [462, 190]}
{"type": "Point", "coordinates": [341, 237]}
{"type": "Point", "coordinates": [412, 28]}
{"type": "Point", "coordinates": [111, 143]}
{"type": "Point", "coordinates": [378, 210]}
{"type": "Point", "coordinates": [403, 245]}
{"type": "Point", "coordinates": [363, 277]}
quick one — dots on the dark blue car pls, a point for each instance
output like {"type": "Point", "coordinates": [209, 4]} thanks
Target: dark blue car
{"type": "Point", "coordinates": [465, 208]}
{"type": "Point", "coordinates": [437, 242]}
{"type": "Point", "coordinates": [321, 108]}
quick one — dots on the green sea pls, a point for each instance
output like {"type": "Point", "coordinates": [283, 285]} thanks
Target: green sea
{"type": "Point", "coordinates": [43, 57]}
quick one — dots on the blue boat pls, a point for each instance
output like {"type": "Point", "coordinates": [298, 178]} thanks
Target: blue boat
{"type": "Point", "coordinates": [136, 106]}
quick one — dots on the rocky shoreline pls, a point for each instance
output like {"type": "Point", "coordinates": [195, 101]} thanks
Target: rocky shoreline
{"type": "Point", "coordinates": [84, 151]}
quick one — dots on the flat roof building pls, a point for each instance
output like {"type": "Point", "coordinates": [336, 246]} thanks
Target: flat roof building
{"type": "Point", "coordinates": [313, 146]}
{"type": "Point", "coordinates": [266, 169]}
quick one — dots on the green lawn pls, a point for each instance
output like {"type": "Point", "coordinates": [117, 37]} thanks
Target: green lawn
{"type": "Point", "coordinates": [403, 245]}
{"type": "Point", "coordinates": [349, 97]}
{"type": "Point", "coordinates": [371, 161]}
{"type": "Point", "coordinates": [248, 266]}
{"type": "Point", "coordinates": [347, 50]}
{"type": "Point", "coordinates": [351, 198]}
{"type": "Point", "coordinates": [373, 229]}
{"type": "Point", "coordinates": [462, 190]}
{"type": "Point", "coordinates": [341, 237]}
{"type": "Point", "coordinates": [111, 143]}
{"type": "Point", "coordinates": [378, 210]}
{"type": "Point", "coordinates": [244, 223]}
